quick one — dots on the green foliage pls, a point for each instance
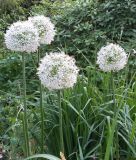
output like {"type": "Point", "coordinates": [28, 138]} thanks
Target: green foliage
{"type": "Point", "coordinates": [46, 156]}
{"type": "Point", "coordinates": [7, 5]}
{"type": "Point", "coordinates": [77, 33]}
{"type": "Point", "coordinates": [87, 117]}
{"type": "Point", "coordinates": [82, 28]}
{"type": "Point", "coordinates": [12, 11]}
{"type": "Point", "coordinates": [85, 26]}
{"type": "Point", "coordinates": [118, 19]}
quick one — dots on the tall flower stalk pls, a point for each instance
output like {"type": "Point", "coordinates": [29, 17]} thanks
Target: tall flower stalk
{"type": "Point", "coordinates": [112, 58]}
{"type": "Point", "coordinates": [60, 122]}
{"type": "Point", "coordinates": [114, 130]}
{"type": "Point", "coordinates": [46, 31]}
{"type": "Point", "coordinates": [58, 71]}
{"type": "Point", "coordinates": [23, 37]}
{"type": "Point", "coordinates": [41, 111]}
{"type": "Point", "coordinates": [115, 111]}
{"type": "Point", "coordinates": [25, 108]}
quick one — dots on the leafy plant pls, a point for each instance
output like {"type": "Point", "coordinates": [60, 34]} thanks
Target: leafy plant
{"type": "Point", "coordinates": [88, 113]}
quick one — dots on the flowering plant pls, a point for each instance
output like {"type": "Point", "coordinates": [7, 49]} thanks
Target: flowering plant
{"type": "Point", "coordinates": [45, 28]}
{"type": "Point", "coordinates": [58, 71]}
{"type": "Point", "coordinates": [22, 36]}
{"type": "Point", "coordinates": [111, 58]}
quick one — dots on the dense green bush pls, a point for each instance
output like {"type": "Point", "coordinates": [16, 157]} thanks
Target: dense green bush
{"type": "Point", "coordinates": [77, 33]}
{"type": "Point", "coordinates": [118, 19]}
{"type": "Point", "coordinates": [86, 25]}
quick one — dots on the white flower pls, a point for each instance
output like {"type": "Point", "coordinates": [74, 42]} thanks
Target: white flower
{"type": "Point", "coordinates": [134, 51]}
{"type": "Point", "coordinates": [111, 58]}
{"type": "Point", "coordinates": [45, 28]}
{"type": "Point", "coordinates": [58, 71]}
{"type": "Point", "coordinates": [1, 156]}
{"type": "Point", "coordinates": [22, 36]}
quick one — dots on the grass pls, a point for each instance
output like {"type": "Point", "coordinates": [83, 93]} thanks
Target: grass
{"type": "Point", "coordinates": [92, 127]}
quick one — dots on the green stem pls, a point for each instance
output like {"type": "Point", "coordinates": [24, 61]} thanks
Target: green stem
{"type": "Point", "coordinates": [115, 111]}
{"type": "Point", "coordinates": [25, 124]}
{"type": "Point", "coordinates": [113, 91]}
{"type": "Point", "coordinates": [41, 112]}
{"type": "Point", "coordinates": [26, 150]}
{"type": "Point", "coordinates": [114, 125]}
{"type": "Point", "coordinates": [60, 123]}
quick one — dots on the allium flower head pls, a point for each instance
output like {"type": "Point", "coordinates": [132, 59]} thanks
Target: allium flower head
{"type": "Point", "coordinates": [22, 36]}
{"type": "Point", "coordinates": [58, 71]}
{"type": "Point", "coordinates": [45, 28]}
{"type": "Point", "coordinates": [111, 58]}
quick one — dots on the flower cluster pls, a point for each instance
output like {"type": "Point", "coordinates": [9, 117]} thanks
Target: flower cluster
{"type": "Point", "coordinates": [45, 28]}
{"type": "Point", "coordinates": [111, 58]}
{"type": "Point", "coordinates": [26, 36]}
{"type": "Point", "coordinates": [22, 36]}
{"type": "Point", "coordinates": [58, 71]}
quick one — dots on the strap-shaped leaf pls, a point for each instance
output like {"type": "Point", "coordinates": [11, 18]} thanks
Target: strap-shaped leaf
{"type": "Point", "coordinates": [47, 156]}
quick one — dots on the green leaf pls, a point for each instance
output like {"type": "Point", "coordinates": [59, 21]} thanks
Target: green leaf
{"type": "Point", "coordinates": [47, 156]}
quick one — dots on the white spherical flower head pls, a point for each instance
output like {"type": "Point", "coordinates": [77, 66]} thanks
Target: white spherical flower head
{"type": "Point", "coordinates": [45, 28]}
{"type": "Point", "coordinates": [22, 36]}
{"type": "Point", "coordinates": [111, 58]}
{"type": "Point", "coordinates": [58, 71]}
